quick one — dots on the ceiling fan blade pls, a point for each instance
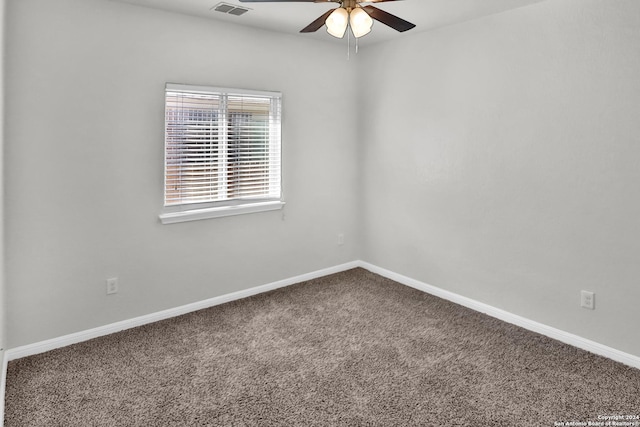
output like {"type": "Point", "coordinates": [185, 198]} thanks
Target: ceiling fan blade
{"type": "Point", "coordinates": [318, 23]}
{"type": "Point", "coordinates": [386, 18]}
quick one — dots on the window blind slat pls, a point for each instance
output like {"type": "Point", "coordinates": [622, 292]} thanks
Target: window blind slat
{"type": "Point", "coordinates": [221, 145]}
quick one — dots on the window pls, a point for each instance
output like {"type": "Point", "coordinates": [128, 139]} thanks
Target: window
{"type": "Point", "coordinates": [222, 152]}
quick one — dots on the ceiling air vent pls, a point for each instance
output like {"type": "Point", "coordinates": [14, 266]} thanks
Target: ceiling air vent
{"type": "Point", "coordinates": [231, 9]}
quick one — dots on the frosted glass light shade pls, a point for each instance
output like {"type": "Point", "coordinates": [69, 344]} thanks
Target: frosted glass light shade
{"type": "Point", "coordinates": [337, 22]}
{"type": "Point", "coordinates": [360, 21]}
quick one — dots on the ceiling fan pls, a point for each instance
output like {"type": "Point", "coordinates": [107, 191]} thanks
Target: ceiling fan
{"type": "Point", "coordinates": [350, 13]}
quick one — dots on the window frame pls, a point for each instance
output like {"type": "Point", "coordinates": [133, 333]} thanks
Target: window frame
{"type": "Point", "coordinates": [180, 212]}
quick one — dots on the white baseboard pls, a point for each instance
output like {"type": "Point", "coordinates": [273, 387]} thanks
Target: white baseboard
{"type": "Point", "coordinates": [3, 384]}
{"type": "Point", "coordinates": [565, 337]}
{"type": "Point", "coordinates": [63, 341]}
{"type": "Point", "coordinates": [557, 334]}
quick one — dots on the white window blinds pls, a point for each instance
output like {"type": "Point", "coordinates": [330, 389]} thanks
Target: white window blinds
{"type": "Point", "coordinates": [222, 146]}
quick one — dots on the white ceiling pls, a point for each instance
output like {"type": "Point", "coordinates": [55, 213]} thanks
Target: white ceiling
{"type": "Point", "coordinates": [291, 17]}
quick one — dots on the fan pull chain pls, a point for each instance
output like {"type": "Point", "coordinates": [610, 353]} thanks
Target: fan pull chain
{"type": "Point", "coordinates": [348, 43]}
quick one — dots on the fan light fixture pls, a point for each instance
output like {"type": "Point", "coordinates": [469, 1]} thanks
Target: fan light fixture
{"type": "Point", "coordinates": [360, 22]}
{"type": "Point", "coordinates": [337, 22]}
{"type": "Point", "coordinates": [340, 18]}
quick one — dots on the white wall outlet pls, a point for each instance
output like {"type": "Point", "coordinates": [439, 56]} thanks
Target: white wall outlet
{"type": "Point", "coordinates": [588, 300]}
{"type": "Point", "coordinates": [340, 239]}
{"type": "Point", "coordinates": [112, 286]}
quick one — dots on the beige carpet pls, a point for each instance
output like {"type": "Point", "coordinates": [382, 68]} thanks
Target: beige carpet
{"type": "Point", "coordinates": [350, 349]}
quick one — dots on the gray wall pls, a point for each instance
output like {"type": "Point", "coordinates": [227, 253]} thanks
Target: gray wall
{"type": "Point", "coordinates": [84, 163]}
{"type": "Point", "coordinates": [502, 162]}
{"type": "Point", "coordinates": [2, 273]}
{"type": "Point", "coordinates": [496, 158]}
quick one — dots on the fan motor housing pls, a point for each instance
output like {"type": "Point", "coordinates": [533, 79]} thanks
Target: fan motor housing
{"type": "Point", "coordinates": [349, 5]}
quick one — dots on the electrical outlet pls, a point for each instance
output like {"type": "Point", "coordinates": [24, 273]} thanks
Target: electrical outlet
{"type": "Point", "coordinates": [588, 300]}
{"type": "Point", "coordinates": [340, 239]}
{"type": "Point", "coordinates": [112, 286]}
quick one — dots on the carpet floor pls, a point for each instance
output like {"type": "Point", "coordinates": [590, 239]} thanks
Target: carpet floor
{"type": "Point", "coordinates": [349, 349]}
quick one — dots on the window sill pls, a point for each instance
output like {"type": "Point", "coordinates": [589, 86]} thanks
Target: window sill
{"type": "Point", "coordinates": [197, 214]}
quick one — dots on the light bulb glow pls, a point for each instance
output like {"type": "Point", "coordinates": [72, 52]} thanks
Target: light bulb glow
{"type": "Point", "coordinates": [337, 22]}
{"type": "Point", "coordinates": [360, 21]}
